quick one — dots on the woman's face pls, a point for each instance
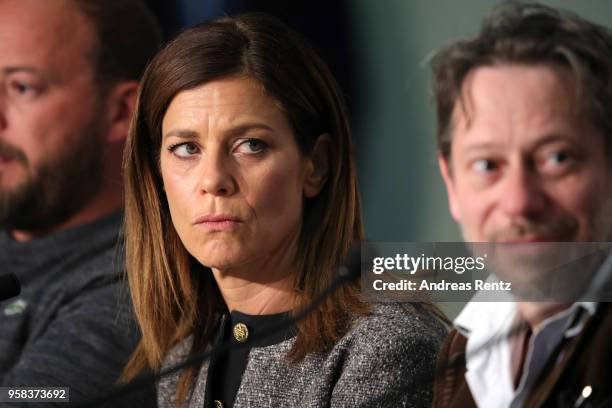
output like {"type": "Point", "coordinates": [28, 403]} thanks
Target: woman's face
{"type": "Point", "coordinates": [233, 175]}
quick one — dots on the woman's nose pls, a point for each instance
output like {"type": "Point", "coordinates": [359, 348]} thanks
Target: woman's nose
{"type": "Point", "coordinates": [216, 175]}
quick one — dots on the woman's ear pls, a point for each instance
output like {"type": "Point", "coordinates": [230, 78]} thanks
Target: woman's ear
{"type": "Point", "coordinates": [317, 166]}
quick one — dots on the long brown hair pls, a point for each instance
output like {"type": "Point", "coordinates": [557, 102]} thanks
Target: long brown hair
{"type": "Point", "coordinates": [173, 296]}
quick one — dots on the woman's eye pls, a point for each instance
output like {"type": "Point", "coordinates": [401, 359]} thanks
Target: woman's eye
{"type": "Point", "coordinates": [184, 149]}
{"type": "Point", "coordinates": [251, 146]}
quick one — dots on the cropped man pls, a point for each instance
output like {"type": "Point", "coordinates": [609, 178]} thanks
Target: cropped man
{"type": "Point", "coordinates": [69, 72]}
{"type": "Point", "coordinates": [524, 145]}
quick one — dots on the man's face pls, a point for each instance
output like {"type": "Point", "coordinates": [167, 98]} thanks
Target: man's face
{"type": "Point", "coordinates": [50, 125]}
{"type": "Point", "coordinates": [525, 165]}
{"type": "Point", "coordinates": [527, 170]}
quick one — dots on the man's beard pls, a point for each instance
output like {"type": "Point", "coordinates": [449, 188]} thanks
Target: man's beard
{"type": "Point", "coordinates": [559, 270]}
{"type": "Point", "coordinates": [57, 187]}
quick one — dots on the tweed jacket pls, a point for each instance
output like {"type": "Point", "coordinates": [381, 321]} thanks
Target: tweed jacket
{"type": "Point", "coordinates": [387, 359]}
{"type": "Point", "coordinates": [580, 362]}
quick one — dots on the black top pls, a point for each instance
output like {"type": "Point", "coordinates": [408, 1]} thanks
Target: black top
{"type": "Point", "coordinates": [225, 373]}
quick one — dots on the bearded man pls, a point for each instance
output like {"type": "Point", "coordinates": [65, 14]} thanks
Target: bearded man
{"type": "Point", "coordinates": [69, 72]}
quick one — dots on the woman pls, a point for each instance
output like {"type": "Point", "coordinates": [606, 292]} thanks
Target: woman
{"type": "Point", "coordinates": [241, 201]}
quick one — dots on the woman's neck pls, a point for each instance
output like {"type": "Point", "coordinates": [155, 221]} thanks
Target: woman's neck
{"type": "Point", "coordinates": [256, 298]}
{"type": "Point", "coordinates": [266, 287]}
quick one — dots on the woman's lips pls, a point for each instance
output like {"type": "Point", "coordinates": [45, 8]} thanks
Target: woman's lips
{"type": "Point", "coordinates": [217, 222]}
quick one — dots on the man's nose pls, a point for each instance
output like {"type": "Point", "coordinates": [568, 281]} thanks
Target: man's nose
{"type": "Point", "coordinates": [216, 175]}
{"type": "Point", "coordinates": [522, 193]}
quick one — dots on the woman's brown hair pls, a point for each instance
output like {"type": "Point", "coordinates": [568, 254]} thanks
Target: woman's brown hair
{"type": "Point", "coordinates": [173, 295]}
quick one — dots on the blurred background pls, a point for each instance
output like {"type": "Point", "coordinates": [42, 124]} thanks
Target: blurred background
{"type": "Point", "coordinates": [379, 52]}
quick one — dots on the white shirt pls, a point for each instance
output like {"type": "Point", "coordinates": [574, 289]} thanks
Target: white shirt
{"type": "Point", "coordinates": [488, 365]}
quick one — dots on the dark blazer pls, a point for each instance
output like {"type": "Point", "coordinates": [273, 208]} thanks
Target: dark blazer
{"type": "Point", "coordinates": [578, 362]}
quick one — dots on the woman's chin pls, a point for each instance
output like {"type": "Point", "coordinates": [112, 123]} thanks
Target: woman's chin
{"type": "Point", "coordinates": [222, 262]}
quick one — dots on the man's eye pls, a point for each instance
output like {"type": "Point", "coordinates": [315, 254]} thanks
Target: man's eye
{"type": "Point", "coordinates": [557, 163]}
{"type": "Point", "coordinates": [558, 158]}
{"type": "Point", "coordinates": [21, 88]}
{"type": "Point", "coordinates": [184, 149]}
{"type": "Point", "coordinates": [484, 165]}
{"type": "Point", "coordinates": [251, 146]}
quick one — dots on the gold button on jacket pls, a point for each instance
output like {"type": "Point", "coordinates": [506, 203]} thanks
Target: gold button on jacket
{"type": "Point", "coordinates": [241, 332]}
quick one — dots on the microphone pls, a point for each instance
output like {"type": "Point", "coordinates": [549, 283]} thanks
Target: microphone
{"type": "Point", "coordinates": [9, 286]}
{"type": "Point", "coordinates": [349, 270]}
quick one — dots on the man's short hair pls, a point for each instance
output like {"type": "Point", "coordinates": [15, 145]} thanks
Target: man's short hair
{"type": "Point", "coordinates": [529, 33]}
{"type": "Point", "coordinates": [127, 37]}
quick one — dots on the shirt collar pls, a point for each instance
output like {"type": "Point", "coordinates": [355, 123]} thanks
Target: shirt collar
{"type": "Point", "coordinates": [489, 317]}
{"type": "Point", "coordinates": [486, 319]}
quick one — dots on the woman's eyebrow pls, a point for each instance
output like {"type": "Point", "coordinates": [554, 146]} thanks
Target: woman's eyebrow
{"type": "Point", "coordinates": [182, 133]}
{"type": "Point", "coordinates": [232, 131]}
{"type": "Point", "coordinates": [245, 127]}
